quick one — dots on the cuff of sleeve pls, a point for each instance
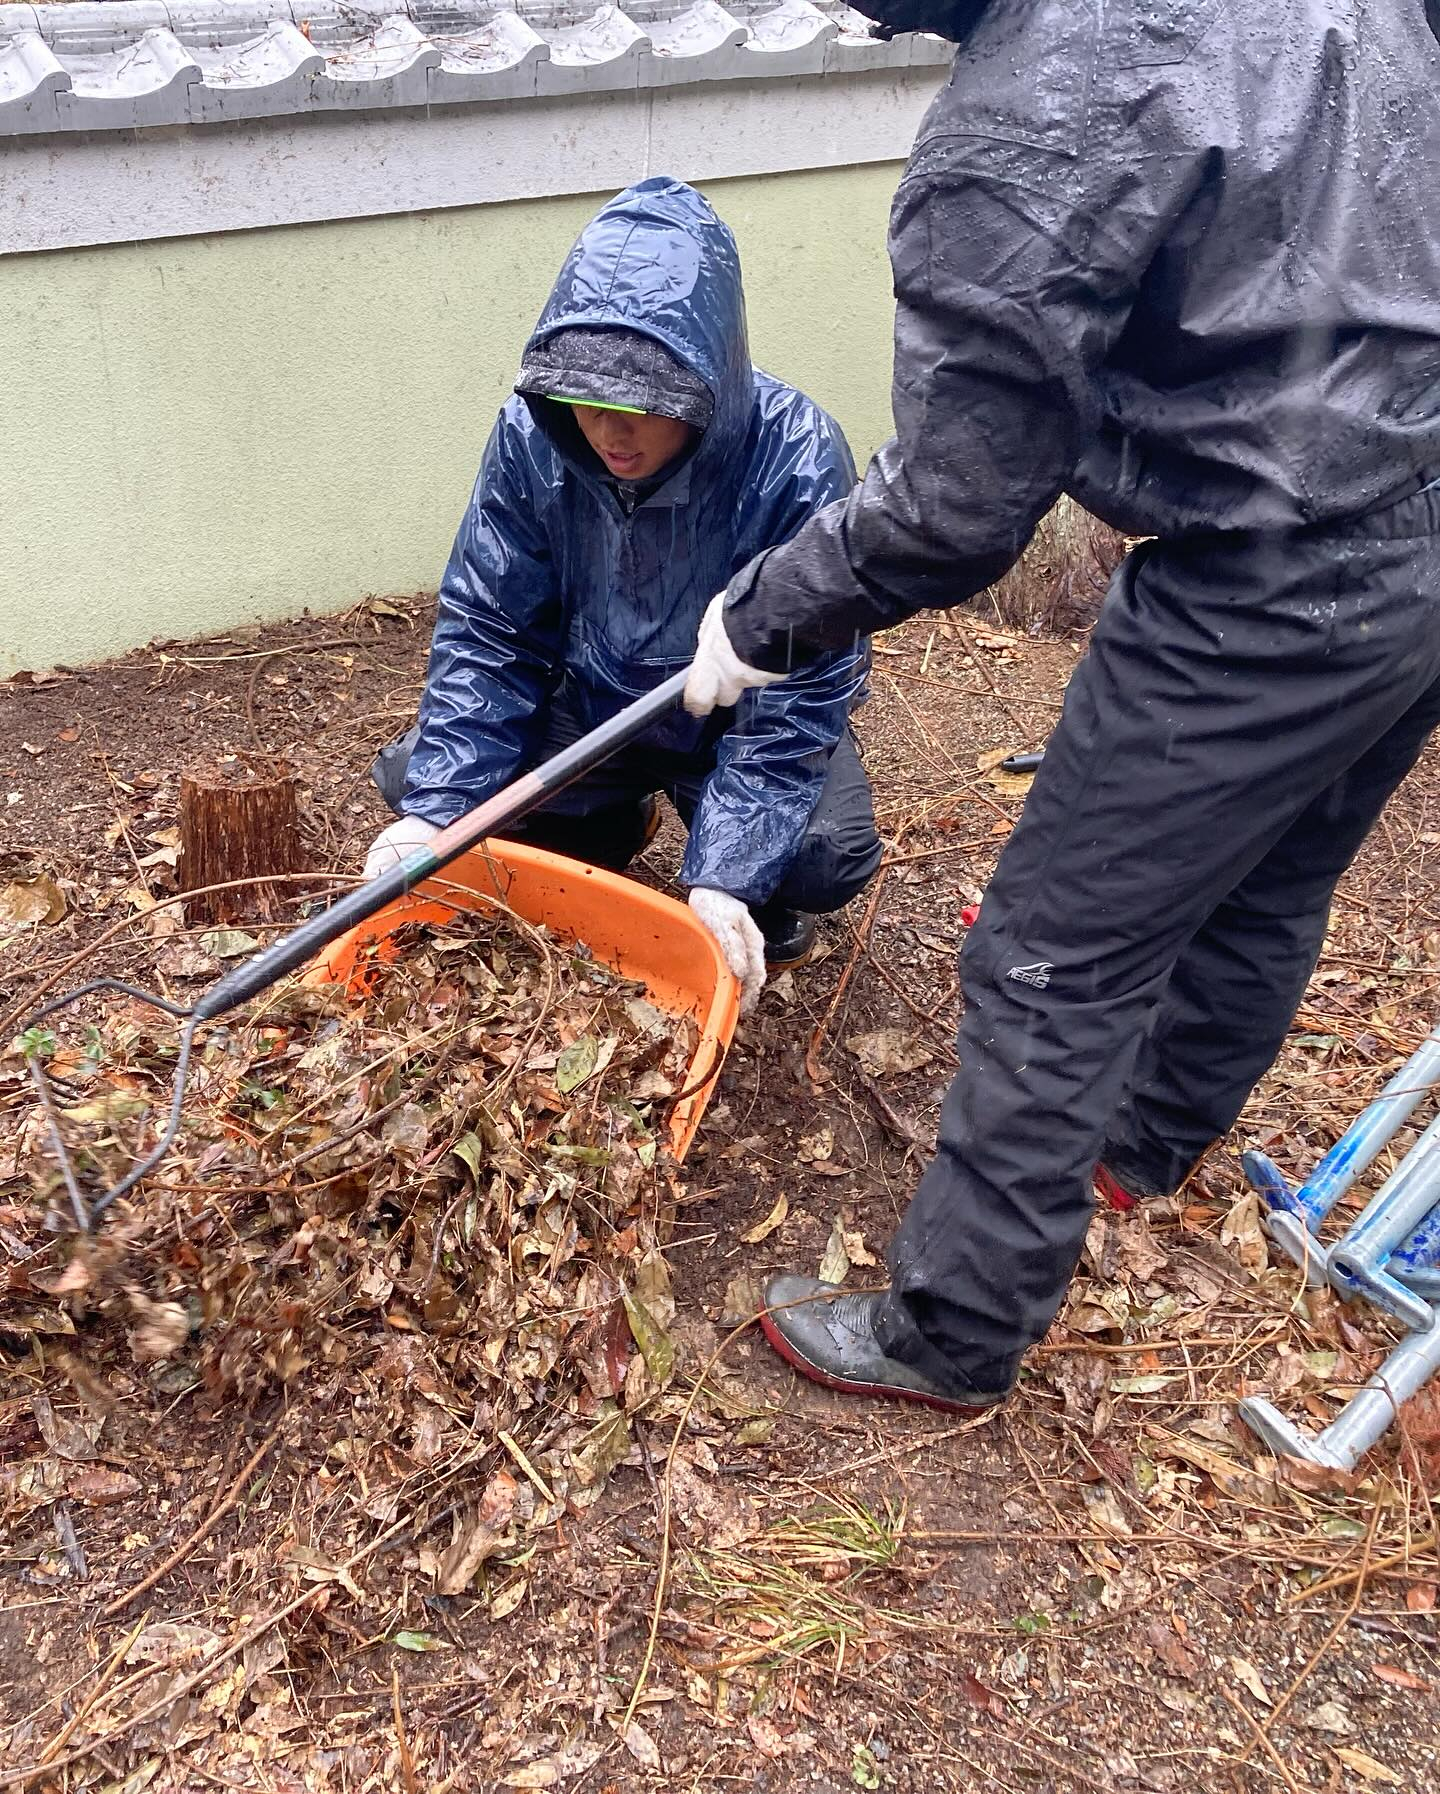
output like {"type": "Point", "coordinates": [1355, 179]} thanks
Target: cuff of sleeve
{"type": "Point", "coordinates": [440, 807]}
{"type": "Point", "coordinates": [718, 874]}
{"type": "Point", "coordinates": [752, 633]}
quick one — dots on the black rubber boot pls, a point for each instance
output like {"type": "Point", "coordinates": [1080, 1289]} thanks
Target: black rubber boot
{"type": "Point", "coordinates": [789, 936]}
{"type": "Point", "coordinates": [827, 1334]}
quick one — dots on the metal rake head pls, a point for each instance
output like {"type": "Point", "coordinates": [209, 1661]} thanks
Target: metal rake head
{"type": "Point", "coordinates": [88, 1210]}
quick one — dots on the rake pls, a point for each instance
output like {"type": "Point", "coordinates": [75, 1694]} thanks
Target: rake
{"type": "Point", "coordinates": [302, 944]}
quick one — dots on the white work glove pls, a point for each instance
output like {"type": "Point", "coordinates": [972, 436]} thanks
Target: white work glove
{"type": "Point", "coordinates": [397, 842]}
{"type": "Point", "coordinates": [718, 675]}
{"type": "Point", "coordinates": [740, 940]}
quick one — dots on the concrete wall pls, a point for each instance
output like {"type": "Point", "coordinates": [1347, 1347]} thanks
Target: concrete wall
{"type": "Point", "coordinates": [207, 431]}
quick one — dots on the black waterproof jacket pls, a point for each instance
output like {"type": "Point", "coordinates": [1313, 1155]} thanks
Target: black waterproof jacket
{"type": "Point", "coordinates": [1178, 257]}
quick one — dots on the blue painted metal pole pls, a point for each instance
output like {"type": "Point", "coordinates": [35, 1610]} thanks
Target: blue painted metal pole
{"type": "Point", "coordinates": [1358, 1263]}
{"type": "Point", "coordinates": [1293, 1215]}
{"type": "Point", "coordinates": [1417, 1262]}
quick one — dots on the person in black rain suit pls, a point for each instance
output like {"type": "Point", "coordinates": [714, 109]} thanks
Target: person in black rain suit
{"type": "Point", "coordinates": [1180, 259]}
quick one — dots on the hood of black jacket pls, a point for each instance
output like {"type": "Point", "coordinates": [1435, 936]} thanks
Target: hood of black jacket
{"type": "Point", "coordinates": [952, 19]}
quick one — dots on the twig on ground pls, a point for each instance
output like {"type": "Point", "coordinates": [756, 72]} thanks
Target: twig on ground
{"type": "Point", "coordinates": [813, 1068]}
{"type": "Point", "coordinates": [1262, 1741]}
{"type": "Point", "coordinates": [211, 660]}
{"type": "Point", "coordinates": [973, 649]}
{"type": "Point", "coordinates": [1280, 1707]}
{"type": "Point", "coordinates": [662, 1568]}
{"type": "Point", "coordinates": [201, 1533]}
{"type": "Point", "coordinates": [29, 1772]}
{"type": "Point", "coordinates": [904, 1131]}
{"type": "Point", "coordinates": [407, 1765]}
{"type": "Point", "coordinates": [71, 1725]}
{"type": "Point", "coordinates": [1379, 1566]}
{"type": "Point", "coordinates": [925, 1019]}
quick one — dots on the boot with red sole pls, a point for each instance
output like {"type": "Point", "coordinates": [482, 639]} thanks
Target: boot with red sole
{"type": "Point", "coordinates": [828, 1335]}
{"type": "Point", "coordinates": [1112, 1194]}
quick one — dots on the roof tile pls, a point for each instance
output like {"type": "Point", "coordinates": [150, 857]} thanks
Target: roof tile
{"type": "Point", "coordinates": [128, 63]}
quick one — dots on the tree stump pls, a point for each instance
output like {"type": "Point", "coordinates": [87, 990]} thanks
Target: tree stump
{"type": "Point", "coordinates": [239, 821]}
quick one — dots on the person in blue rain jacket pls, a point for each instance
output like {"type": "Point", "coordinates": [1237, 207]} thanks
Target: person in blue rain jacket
{"type": "Point", "coordinates": [641, 463]}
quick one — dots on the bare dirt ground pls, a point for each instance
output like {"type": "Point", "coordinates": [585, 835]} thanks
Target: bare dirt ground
{"type": "Point", "coordinates": [1105, 1586]}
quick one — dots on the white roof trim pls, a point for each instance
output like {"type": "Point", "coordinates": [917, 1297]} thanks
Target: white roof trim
{"type": "Point", "coordinates": [103, 187]}
{"type": "Point", "coordinates": [106, 65]}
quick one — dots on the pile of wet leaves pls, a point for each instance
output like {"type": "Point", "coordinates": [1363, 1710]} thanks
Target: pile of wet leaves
{"type": "Point", "coordinates": [457, 1183]}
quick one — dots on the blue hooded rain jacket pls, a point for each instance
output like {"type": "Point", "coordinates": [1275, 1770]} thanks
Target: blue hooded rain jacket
{"type": "Point", "coordinates": [552, 586]}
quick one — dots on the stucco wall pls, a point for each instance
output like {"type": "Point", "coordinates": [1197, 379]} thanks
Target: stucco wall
{"type": "Point", "coordinates": [208, 431]}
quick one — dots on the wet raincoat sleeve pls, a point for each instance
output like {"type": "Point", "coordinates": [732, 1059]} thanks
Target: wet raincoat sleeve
{"type": "Point", "coordinates": [757, 802]}
{"type": "Point", "coordinates": [1015, 271]}
{"type": "Point", "coordinates": [497, 642]}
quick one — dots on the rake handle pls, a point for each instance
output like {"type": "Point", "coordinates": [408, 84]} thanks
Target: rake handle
{"type": "Point", "coordinates": [502, 810]}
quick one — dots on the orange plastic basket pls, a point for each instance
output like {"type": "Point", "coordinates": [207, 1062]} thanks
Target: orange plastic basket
{"type": "Point", "coordinates": [640, 932]}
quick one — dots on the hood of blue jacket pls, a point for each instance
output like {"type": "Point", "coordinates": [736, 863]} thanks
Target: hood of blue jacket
{"type": "Point", "coordinates": [658, 261]}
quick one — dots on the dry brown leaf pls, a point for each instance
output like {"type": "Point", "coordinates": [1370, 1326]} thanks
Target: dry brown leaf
{"type": "Point", "coordinates": [1229, 1477]}
{"type": "Point", "coordinates": [1316, 1479]}
{"type": "Point", "coordinates": [1105, 1509]}
{"type": "Point", "coordinates": [158, 923]}
{"type": "Point", "coordinates": [69, 1281]}
{"type": "Point", "coordinates": [1081, 1378]}
{"type": "Point", "coordinates": [1241, 1230]}
{"type": "Point", "coordinates": [856, 1250]}
{"type": "Point", "coordinates": [1007, 784]}
{"type": "Point", "coordinates": [986, 1699]}
{"type": "Point", "coordinates": [1420, 1597]}
{"type": "Point", "coordinates": [763, 1229]}
{"type": "Point", "coordinates": [710, 1509]}
{"type": "Point", "coordinates": [641, 1746]}
{"type": "Point", "coordinates": [886, 1051]}
{"type": "Point", "coordinates": [1137, 1249]}
{"type": "Point", "coordinates": [743, 1300]}
{"type": "Point", "coordinates": [160, 1331]}
{"type": "Point", "coordinates": [816, 1146]}
{"type": "Point", "coordinates": [1176, 1657]}
{"type": "Point", "coordinates": [31, 902]}
{"type": "Point", "coordinates": [1246, 1673]}
{"type": "Point", "coordinates": [1367, 1766]}
{"type": "Point", "coordinates": [834, 1264]}
{"type": "Point", "coordinates": [1330, 1716]}
{"type": "Point", "coordinates": [545, 1772]}
{"type": "Point", "coordinates": [765, 1736]}
{"type": "Point", "coordinates": [509, 1598]}
{"type": "Point", "coordinates": [481, 1537]}
{"type": "Point", "coordinates": [67, 1438]}
{"type": "Point", "coordinates": [172, 1642]}
{"type": "Point", "coordinates": [1401, 1678]}
{"type": "Point", "coordinates": [100, 1487]}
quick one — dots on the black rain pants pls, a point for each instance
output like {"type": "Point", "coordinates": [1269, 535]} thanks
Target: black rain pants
{"type": "Point", "coordinates": [1246, 708]}
{"type": "Point", "coordinates": [603, 818]}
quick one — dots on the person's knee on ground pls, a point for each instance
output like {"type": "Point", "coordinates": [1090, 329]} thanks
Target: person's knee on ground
{"type": "Point", "coordinates": [840, 851]}
{"type": "Point", "coordinates": [835, 862]}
